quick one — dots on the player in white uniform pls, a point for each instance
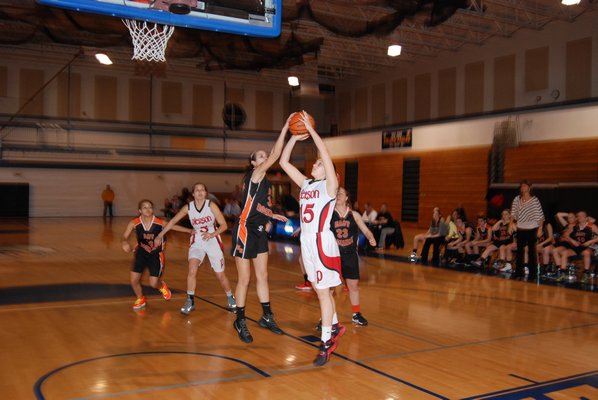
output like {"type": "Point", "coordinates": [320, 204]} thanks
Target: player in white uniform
{"type": "Point", "coordinates": [319, 249]}
{"type": "Point", "coordinates": [208, 223]}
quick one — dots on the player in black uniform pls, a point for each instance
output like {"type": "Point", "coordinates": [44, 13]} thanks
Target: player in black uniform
{"type": "Point", "coordinates": [345, 224]}
{"type": "Point", "coordinates": [147, 255]}
{"type": "Point", "coordinates": [502, 241]}
{"type": "Point", "coordinates": [250, 240]}
{"type": "Point", "coordinates": [583, 235]}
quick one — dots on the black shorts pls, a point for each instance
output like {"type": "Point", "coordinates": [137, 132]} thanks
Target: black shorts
{"type": "Point", "coordinates": [498, 243]}
{"type": "Point", "coordinates": [350, 265]}
{"type": "Point", "coordinates": [566, 245]}
{"type": "Point", "coordinates": [153, 261]}
{"type": "Point", "coordinates": [249, 240]}
{"type": "Point", "coordinates": [579, 249]}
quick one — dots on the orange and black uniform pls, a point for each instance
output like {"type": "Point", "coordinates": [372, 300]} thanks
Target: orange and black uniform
{"type": "Point", "coordinates": [502, 236]}
{"type": "Point", "coordinates": [146, 255]}
{"type": "Point", "coordinates": [249, 232]}
{"type": "Point", "coordinates": [346, 232]}
{"type": "Point", "coordinates": [581, 236]}
{"type": "Point", "coordinates": [484, 233]}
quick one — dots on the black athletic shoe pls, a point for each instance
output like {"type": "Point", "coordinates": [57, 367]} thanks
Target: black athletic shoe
{"type": "Point", "coordinates": [241, 328]}
{"type": "Point", "coordinates": [324, 354]}
{"type": "Point", "coordinates": [359, 319]}
{"type": "Point", "coordinates": [267, 321]}
{"type": "Point", "coordinates": [338, 330]}
{"type": "Point", "coordinates": [319, 326]}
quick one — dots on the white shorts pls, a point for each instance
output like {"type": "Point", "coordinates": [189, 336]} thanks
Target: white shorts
{"type": "Point", "coordinates": [213, 248]}
{"type": "Point", "coordinates": [321, 259]}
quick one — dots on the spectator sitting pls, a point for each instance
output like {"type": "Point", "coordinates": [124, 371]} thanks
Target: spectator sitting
{"type": "Point", "coordinates": [289, 204]}
{"type": "Point", "coordinates": [384, 225]}
{"type": "Point", "coordinates": [369, 215]}
{"type": "Point", "coordinates": [231, 211]}
{"type": "Point", "coordinates": [356, 207]}
{"type": "Point", "coordinates": [167, 210]}
{"type": "Point", "coordinates": [432, 233]}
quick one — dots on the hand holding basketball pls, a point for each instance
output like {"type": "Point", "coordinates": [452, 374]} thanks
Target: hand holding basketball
{"type": "Point", "coordinates": [298, 122]}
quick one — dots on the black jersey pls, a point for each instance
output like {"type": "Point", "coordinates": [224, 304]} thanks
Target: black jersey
{"type": "Point", "coordinates": [146, 234]}
{"type": "Point", "coordinates": [256, 202]}
{"type": "Point", "coordinates": [502, 233]}
{"type": "Point", "coordinates": [582, 235]}
{"type": "Point", "coordinates": [483, 234]}
{"type": "Point", "coordinates": [345, 231]}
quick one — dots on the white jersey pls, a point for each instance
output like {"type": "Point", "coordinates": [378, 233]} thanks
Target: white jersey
{"type": "Point", "coordinates": [319, 250]}
{"type": "Point", "coordinates": [202, 220]}
{"type": "Point", "coordinates": [316, 207]}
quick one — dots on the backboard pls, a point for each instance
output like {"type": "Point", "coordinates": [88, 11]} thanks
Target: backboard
{"type": "Point", "coordinates": [241, 17]}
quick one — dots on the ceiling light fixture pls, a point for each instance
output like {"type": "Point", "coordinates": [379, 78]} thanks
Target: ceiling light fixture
{"type": "Point", "coordinates": [394, 50]}
{"type": "Point", "coordinates": [103, 59]}
{"type": "Point", "coordinates": [293, 81]}
{"type": "Point", "coordinates": [570, 2]}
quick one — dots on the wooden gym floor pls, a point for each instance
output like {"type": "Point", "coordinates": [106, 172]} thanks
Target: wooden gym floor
{"type": "Point", "coordinates": [69, 331]}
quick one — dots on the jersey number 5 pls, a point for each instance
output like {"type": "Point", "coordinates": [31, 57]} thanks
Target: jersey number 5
{"type": "Point", "coordinates": [307, 214]}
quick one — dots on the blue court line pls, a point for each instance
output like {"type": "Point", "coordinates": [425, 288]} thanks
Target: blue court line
{"type": "Point", "coordinates": [166, 387]}
{"type": "Point", "coordinates": [538, 390]}
{"type": "Point", "coordinates": [523, 379]}
{"type": "Point", "coordinates": [398, 332]}
{"type": "Point", "coordinates": [348, 359]}
{"type": "Point", "coordinates": [37, 388]}
{"type": "Point", "coordinates": [477, 343]}
{"type": "Point", "coordinates": [439, 347]}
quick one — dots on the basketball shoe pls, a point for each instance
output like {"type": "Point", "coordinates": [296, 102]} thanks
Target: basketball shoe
{"type": "Point", "coordinates": [338, 330]}
{"type": "Point", "coordinates": [139, 303]}
{"type": "Point", "coordinates": [304, 286]}
{"type": "Point", "coordinates": [359, 320]}
{"type": "Point", "coordinates": [165, 291]}
{"type": "Point", "coordinates": [324, 354]}
{"type": "Point", "coordinates": [267, 321]}
{"type": "Point", "coordinates": [241, 328]}
{"type": "Point", "coordinates": [187, 307]}
{"type": "Point", "coordinates": [232, 303]}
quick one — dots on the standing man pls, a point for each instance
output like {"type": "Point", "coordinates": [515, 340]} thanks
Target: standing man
{"type": "Point", "coordinates": [108, 198]}
{"type": "Point", "coordinates": [526, 212]}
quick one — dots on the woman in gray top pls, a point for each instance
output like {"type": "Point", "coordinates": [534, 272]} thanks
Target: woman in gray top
{"type": "Point", "coordinates": [526, 211]}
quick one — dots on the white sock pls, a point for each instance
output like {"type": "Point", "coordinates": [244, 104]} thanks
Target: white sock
{"type": "Point", "coordinates": [191, 292]}
{"type": "Point", "coordinates": [229, 293]}
{"type": "Point", "coordinates": [334, 319]}
{"type": "Point", "coordinates": [326, 333]}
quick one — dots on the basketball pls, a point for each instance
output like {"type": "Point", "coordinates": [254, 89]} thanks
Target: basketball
{"type": "Point", "coordinates": [296, 125]}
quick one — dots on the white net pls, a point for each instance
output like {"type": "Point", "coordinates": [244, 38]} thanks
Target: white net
{"type": "Point", "coordinates": [149, 40]}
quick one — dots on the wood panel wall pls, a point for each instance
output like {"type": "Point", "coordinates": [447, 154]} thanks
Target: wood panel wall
{"type": "Point", "coordinates": [139, 99]}
{"type": "Point", "coordinates": [447, 178]}
{"type": "Point", "coordinates": [474, 87]}
{"type": "Point", "coordinates": [30, 81]}
{"type": "Point", "coordinates": [172, 97]}
{"type": "Point", "coordinates": [264, 110]}
{"type": "Point", "coordinates": [203, 103]}
{"type": "Point", "coordinates": [105, 97]}
{"type": "Point", "coordinates": [68, 101]}
{"type": "Point", "coordinates": [579, 69]}
{"type": "Point", "coordinates": [399, 101]}
{"type": "Point", "coordinates": [553, 162]}
{"type": "Point", "coordinates": [3, 81]}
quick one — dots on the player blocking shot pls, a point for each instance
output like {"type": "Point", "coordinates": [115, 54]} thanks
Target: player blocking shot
{"type": "Point", "coordinates": [148, 253]}
{"type": "Point", "coordinates": [208, 223]}
{"type": "Point", "coordinates": [319, 250]}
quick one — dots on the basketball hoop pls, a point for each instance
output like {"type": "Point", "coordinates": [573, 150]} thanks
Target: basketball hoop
{"type": "Point", "coordinates": [149, 40]}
